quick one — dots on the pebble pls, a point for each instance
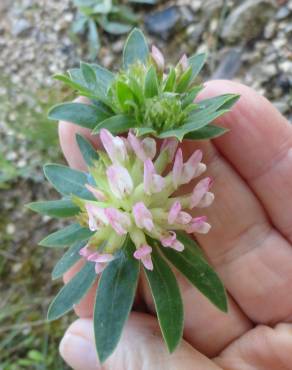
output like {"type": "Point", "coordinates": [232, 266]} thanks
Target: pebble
{"type": "Point", "coordinates": [282, 13]}
{"type": "Point", "coordinates": [21, 27]}
{"type": "Point", "coordinates": [247, 20]}
{"type": "Point", "coordinates": [229, 65]}
{"type": "Point", "coordinates": [163, 23]}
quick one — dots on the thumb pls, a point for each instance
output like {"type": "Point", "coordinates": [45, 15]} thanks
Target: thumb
{"type": "Point", "coordinates": [141, 347]}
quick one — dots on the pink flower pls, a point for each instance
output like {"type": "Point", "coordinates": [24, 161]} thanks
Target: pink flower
{"type": "Point", "coordinates": [175, 215]}
{"type": "Point", "coordinates": [96, 217]}
{"type": "Point", "coordinates": [153, 183]}
{"type": "Point", "coordinates": [170, 145]}
{"type": "Point", "coordinates": [142, 216]}
{"type": "Point", "coordinates": [200, 191]}
{"type": "Point", "coordinates": [101, 260]}
{"type": "Point", "coordinates": [144, 254]}
{"type": "Point", "coordinates": [114, 146]}
{"type": "Point", "coordinates": [99, 195]}
{"type": "Point", "coordinates": [118, 220]}
{"type": "Point", "coordinates": [120, 181]}
{"type": "Point", "coordinates": [198, 225]}
{"type": "Point", "coordinates": [171, 242]}
{"type": "Point", "coordinates": [177, 168]}
{"type": "Point", "coordinates": [183, 63]}
{"type": "Point", "coordinates": [143, 149]}
{"type": "Point", "coordinates": [158, 58]}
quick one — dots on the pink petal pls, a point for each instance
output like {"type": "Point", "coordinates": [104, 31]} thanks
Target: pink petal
{"type": "Point", "coordinates": [206, 201]}
{"type": "Point", "coordinates": [174, 211]}
{"type": "Point", "coordinates": [149, 147]}
{"type": "Point", "coordinates": [120, 181]}
{"type": "Point", "coordinates": [96, 216]}
{"type": "Point", "coordinates": [190, 168]}
{"type": "Point", "coordinates": [143, 251]}
{"type": "Point", "coordinates": [142, 216]}
{"type": "Point", "coordinates": [198, 225]}
{"type": "Point", "coordinates": [118, 220]}
{"type": "Point", "coordinates": [114, 146]}
{"type": "Point", "coordinates": [183, 218]}
{"type": "Point", "coordinates": [177, 168]}
{"type": "Point", "coordinates": [147, 262]}
{"type": "Point", "coordinates": [171, 242]}
{"type": "Point", "coordinates": [200, 190]}
{"type": "Point", "coordinates": [137, 146]}
{"type": "Point", "coordinates": [99, 267]}
{"type": "Point", "coordinates": [158, 58]}
{"type": "Point", "coordinates": [183, 62]}
{"type": "Point", "coordinates": [170, 145]}
{"type": "Point", "coordinates": [85, 251]}
{"type": "Point", "coordinates": [153, 183]}
{"type": "Point", "coordinates": [99, 195]}
{"type": "Point", "coordinates": [178, 246]}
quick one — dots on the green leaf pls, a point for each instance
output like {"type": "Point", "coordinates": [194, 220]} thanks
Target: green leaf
{"type": "Point", "coordinates": [77, 77]}
{"type": "Point", "coordinates": [124, 94]}
{"type": "Point", "coordinates": [68, 181]}
{"type": "Point", "coordinates": [66, 236]}
{"type": "Point", "coordinates": [68, 260]}
{"type": "Point", "coordinates": [140, 131]}
{"type": "Point", "coordinates": [184, 81]}
{"type": "Point", "coordinates": [104, 77]}
{"type": "Point", "coordinates": [192, 264]}
{"type": "Point", "coordinates": [207, 132]}
{"type": "Point", "coordinates": [170, 81]}
{"type": "Point", "coordinates": [116, 124]}
{"type": "Point", "coordinates": [74, 85]}
{"type": "Point", "coordinates": [114, 300]}
{"type": "Point", "coordinates": [197, 62]}
{"type": "Point", "coordinates": [151, 83]}
{"type": "Point", "coordinates": [93, 39]}
{"type": "Point", "coordinates": [72, 292]}
{"type": "Point", "coordinates": [115, 28]}
{"type": "Point", "coordinates": [88, 152]}
{"type": "Point", "coordinates": [225, 101]}
{"type": "Point", "coordinates": [167, 299]}
{"type": "Point", "coordinates": [88, 76]}
{"type": "Point", "coordinates": [136, 48]}
{"type": "Point", "coordinates": [191, 95]}
{"type": "Point", "coordinates": [84, 115]}
{"type": "Point", "coordinates": [55, 208]}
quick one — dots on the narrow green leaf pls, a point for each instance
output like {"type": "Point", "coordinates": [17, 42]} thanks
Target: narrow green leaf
{"type": "Point", "coordinates": [136, 48]}
{"type": "Point", "coordinates": [184, 81]}
{"type": "Point", "coordinates": [116, 124]}
{"type": "Point", "coordinates": [66, 236]}
{"type": "Point", "coordinates": [73, 84]}
{"type": "Point", "coordinates": [114, 300]}
{"type": "Point", "coordinates": [77, 77]}
{"type": "Point", "coordinates": [207, 132]}
{"type": "Point", "coordinates": [140, 131]}
{"type": "Point", "coordinates": [167, 300]}
{"type": "Point", "coordinates": [55, 208]}
{"type": "Point", "coordinates": [124, 94]}
{"type": "Point", "coordinates": [191, 95]}
{"type": "Point", "coordinates": [116, 28]}
{"type": "Point", "coordinates": [84, 115]}
{"type": "Point", "coordinates": [93, 39]}
{"type": "Point", "coordinates": [192, 264]}
{"type": "Point", "coordinates": [68, 181]}
{"type": "Point", "coordinates": [88, 152]}
{"type": "Point", "coordinates": [89, 76]}
{"type": "Point", "coordinates": [170, 81]}
{"type": "Point", "coordinates": [225, 101]}
{"type": "Point", "coordinates": [151, 83]}
{"type": "Point", "coordinates": [104, 77]}
{"type": "Point", "coordinates": [72, 292]}
{"type": "Point", "coordinates": [197, 62]}
{"type": "Point", "coordinates": [68, 260]}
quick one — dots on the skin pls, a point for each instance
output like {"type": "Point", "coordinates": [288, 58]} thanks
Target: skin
{"type": "Point", "coordinates": [249, 245]}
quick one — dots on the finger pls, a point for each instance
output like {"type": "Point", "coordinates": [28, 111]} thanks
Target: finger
{"type": "Point", "coordinates": [141, 347]}
{"type": "Point", "coordinates": [69, 146]}
{"type": "Point", "coordinates": [259, 146]}
{"type": "Point", "coordinates": [261, 348]}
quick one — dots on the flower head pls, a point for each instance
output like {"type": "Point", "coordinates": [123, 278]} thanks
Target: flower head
{"type": "Point", "coordinates": [134, 194]}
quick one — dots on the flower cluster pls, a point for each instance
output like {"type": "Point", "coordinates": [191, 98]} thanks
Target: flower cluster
{"type": "Point", "coordinates": [136, 196]}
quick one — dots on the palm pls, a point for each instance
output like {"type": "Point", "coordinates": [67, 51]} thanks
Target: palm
{"type": "Point", "coordinates": [249, 245]}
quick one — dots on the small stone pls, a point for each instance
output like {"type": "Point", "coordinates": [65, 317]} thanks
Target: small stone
{"type": "Point", "coordinates": [270, 30]}
{"type": "Point", "coordinates": [229, 65]}
{"type": "Point", "coordinates": [281, 106]}
{"type": "Point", "coordinates": [163, 23]}
{"type": "Point", "coordinates": [10, 229]}
{"type": "Point", "coordinates": [21, 27]}
{"type": "Point", "coordinates": [286, 67]}
{"type": "Point", "coordinates": [247, 20]}
{"type": "Point", "coordinates": [282, 13]}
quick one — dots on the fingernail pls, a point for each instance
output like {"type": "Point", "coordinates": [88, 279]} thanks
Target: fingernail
{"type": "Point", "coordinates": [78, 352]}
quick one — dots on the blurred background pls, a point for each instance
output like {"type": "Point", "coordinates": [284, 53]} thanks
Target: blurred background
{"type": "Point", "coordinates": [247, 40]}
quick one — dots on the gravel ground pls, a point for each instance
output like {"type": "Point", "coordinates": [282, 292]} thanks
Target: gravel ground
{"type": "Point", "coordinates": [247, 41]}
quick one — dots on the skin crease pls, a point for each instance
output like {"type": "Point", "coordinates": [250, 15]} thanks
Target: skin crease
{"type": "Point", "coordinates": [249, 245]}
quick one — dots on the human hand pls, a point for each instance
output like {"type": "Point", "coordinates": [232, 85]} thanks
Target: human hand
{"type": "Point", "coordinates": [249, 246]}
